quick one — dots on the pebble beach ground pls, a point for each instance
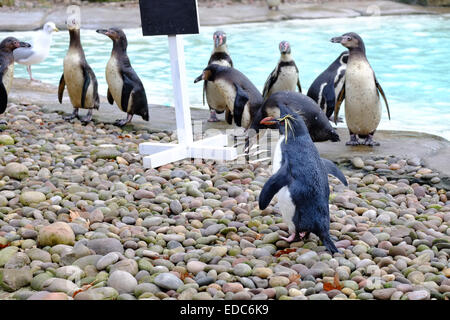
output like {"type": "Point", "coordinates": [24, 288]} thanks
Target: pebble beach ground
{"type": "Point", "coordinates": [80, 218]}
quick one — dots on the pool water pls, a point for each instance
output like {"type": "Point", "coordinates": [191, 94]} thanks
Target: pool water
{"type": "Point", "coordinates": [409, 54]}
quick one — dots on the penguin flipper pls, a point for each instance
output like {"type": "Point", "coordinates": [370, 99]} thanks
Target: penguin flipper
{"type": "Point", "coordinates": [3, 98]}
{"type": "Point", "coordinates": [384, 96]}
{"type": "Point", "coordinates": [271, 187]}
{"type": "Point", "coordinates": [299, 86]}
{"type": "Point", "coordinates": [269, 82]}
{"type": "Point", "coordinates": [87, 82]}
{"type": "Point", "coordinates": [340, 98]}
{"type": "Point", "coordinates": [95, 89]}
{"type": "Point", "coordinates": [126, 92]}
{"type": "Point", "coordinates": [330, 98]}
{"type": "Point", "coordinates": [62, 85]}
{"type": "Point", "coordinates": [228, 116]}
{"type": "Point", "coordinates": [110, 97]}
{"type": "Point", "coordinates": [334, 170]}
{"type": "Point", "coordinates": [240, 101]}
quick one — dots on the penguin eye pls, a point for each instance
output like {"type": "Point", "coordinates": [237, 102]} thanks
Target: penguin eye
{"type": "Point", "coordinates": [349, 38]}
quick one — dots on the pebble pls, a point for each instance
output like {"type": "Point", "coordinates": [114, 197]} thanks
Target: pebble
{"type": "Point", "coordinates": [168, 281]}
{"type": "Point", "coordinates": [77, 206]}
{"type": "Point", "coordinates": [106, 260]}
{"type": "Point", "coordinates": [418, 295]}
{"type": "Point", "coordinates": [122, 281]}
{"type": "Point", "coordinates": [105, 246]}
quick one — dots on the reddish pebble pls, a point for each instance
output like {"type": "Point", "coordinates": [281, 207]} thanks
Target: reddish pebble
{"type": "Point", "coordinates": [45, 295]}
{"type": "Point", "coordinates": [343, 244]}
{"type": "Point", "coordinates": [232, 287]}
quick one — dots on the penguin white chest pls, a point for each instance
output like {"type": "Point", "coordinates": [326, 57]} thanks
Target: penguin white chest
{"type": "Point", "coordinates": [74, 78]}
{"type": "Point", "coordinates": [362, 102]}
{"type": "Point", "coordinates": [227, 92]}
{"type": "Point", "coordinates": [285, 203]}
{"type": "Point", "coordinates": [214, 97]}
{"type": "Point", "coordinates": [287, 80]}
{"type": "Point", "coordinates": [8, 77]}
{"type": "Point", "coordinates": [114, 80]}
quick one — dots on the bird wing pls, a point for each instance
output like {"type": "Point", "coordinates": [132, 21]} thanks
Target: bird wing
{"type": "Point", "coordinates": [340, 98]}
{"type": "Point", "coordinates": [239, 104]}
{"type": "Point", "coordinates": [330, 97]}
{"type": "Point", "coordinates": [87, 82]}
{"type": "Point", "coordinates": [272, 186]}
{"type": "Point", "coordinates": [126, 91]}
{"type": "Point", "coordinates": [384, 96]}
{"type": "Point", "coordinates": [62, 85]}
{"type": "Point", "coordinates": [334, 170]}
{"type": "Point", "coordinates": [23, 53]}
{"type": "Point", "coordinates": [228, 116]}
{"type": "Point", "coordinates": [110, 97]}
{"type": "Point", "coordinates": [3, 98]}
{"type": "Point", "coordinates": [299, 86]}
{"type": "Point", "coordinates": [269, 82]}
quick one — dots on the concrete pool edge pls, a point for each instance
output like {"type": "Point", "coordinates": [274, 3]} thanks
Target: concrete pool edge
{"type": "Point", "coordinates": [100, 16]}
{"type": "Point", "coordinates": [433, 150]}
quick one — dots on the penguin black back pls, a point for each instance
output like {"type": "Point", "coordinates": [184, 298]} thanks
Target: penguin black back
{"type": "Point", "coordinates": [328, 85]}
{"type": "Point", "coordinates": [305, 176]}
{"type": "Point", "coordinates": [317, 123]}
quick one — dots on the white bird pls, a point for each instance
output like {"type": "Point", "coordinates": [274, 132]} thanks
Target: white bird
{"type": "Point", "coordinates": [40, 47]}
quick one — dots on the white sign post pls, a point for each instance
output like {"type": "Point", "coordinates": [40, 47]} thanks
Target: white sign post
{"type": "Point", "coordinates": [158, 154]}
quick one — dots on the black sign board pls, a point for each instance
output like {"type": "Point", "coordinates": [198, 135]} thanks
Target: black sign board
{"type": "Point", "coordinates": [169, 17]}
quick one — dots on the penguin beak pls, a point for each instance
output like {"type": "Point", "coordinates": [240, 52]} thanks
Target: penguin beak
{"type": "Point", "coordinates": [204, 76]}
{"type": "Point", "coordinates": [102, 31]}
{"type": "Point", "coordinates": [23, 45]}
{"type": "Point", "coordinates": [336, 39]}
{"type": "Point", "coordinates": [268, 121]}
{"type": "Point", "coordinates": [56, 29]}
{"type": "Point", "coordinates": [199, 78]}
{"type": "Point", "coordinates": [218, 41]}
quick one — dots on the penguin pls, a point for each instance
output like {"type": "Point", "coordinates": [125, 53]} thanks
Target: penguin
{"type": "Point", "coordinates": [316, 121]}
{"type": "Point", "coordinates": [242, 97]}
{"type": "Point", "coordinates": [78, 76]}
{"type": "Point", "coordinates": [329, 84]}
{"type": "Point", "coordinates": [124, 85]}
{"type": "Point", "coordinates": [273, 4]}
{"type": "Point", "coordinates": [301, 181]}
{"type": "Point", "coordinates": [7, 47]}
{"type": "Point", "coordinates": [285, 75]}
{"type": "Point", "coordinates": [362, 100]}
{"type": "Point", "coordinates": [220, 56]}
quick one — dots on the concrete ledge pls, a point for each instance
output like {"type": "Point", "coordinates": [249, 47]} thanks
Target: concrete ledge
{"type": "Point", "coordinates": [433, 150]}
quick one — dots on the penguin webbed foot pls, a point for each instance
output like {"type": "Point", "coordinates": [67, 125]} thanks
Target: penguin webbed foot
{"type": "Point", "coordinates": [87, 118]}
{"type": "Point", "coordinates": [213, 117]}
{"type": "Point", "coordinates": [370, 142]}
{"type": "Point", "coordinates": [123, 122]}
{"type": "Point", "coordinates": [353, 140]}
{"type": "Point", "coordinates": [72, 116]}
{"type": "Point", "coordinates": [296, 236]}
